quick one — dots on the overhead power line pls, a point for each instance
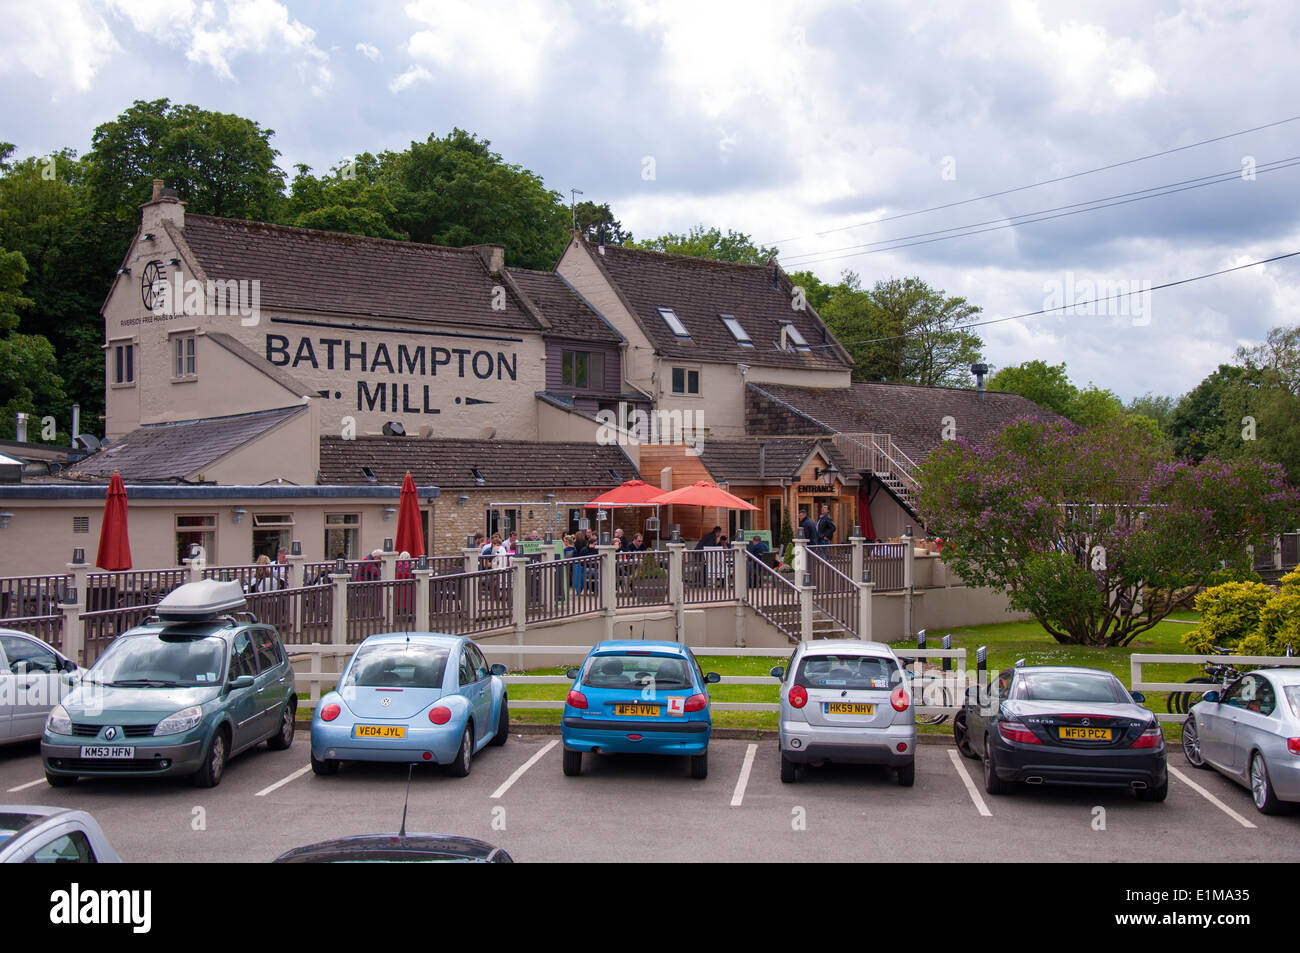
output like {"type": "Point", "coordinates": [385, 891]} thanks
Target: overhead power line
{"type": "Point", "coordinates": [1079, 304]}
{"type": "Point", "coordinates": [1034, 185]}
{"type": "Point", "coordinates": [974, 229]}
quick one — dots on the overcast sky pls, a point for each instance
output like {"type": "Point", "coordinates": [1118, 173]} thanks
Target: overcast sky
{"type": "Point", "coordinates": [791, 122]}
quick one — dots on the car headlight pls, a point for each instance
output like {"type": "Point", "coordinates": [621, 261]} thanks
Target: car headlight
{"type": "Point", "coordinates": [58, 723]}
{"type": "Point", "coordinates": [183, 720]}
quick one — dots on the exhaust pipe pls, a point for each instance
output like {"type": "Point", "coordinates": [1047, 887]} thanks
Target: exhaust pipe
{"type": "Point", "coordinates": [1138, 785]}
{"type": "Point", "coordinates": [1033, 780]}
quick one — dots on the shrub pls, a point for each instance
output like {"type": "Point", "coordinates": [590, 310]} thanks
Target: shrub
{"type": "Point", "coordinates": [1229, 613]}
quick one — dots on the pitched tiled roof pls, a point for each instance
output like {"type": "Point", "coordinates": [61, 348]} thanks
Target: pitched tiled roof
{"type": "Point", "coordinates": [568, 315]}
{"type": "Point", "coordinates": [699, 290]}
{"type": "Point", "coordinates": [173, 451]}
{"type": "Point", "coordinates": [503, 464]}
{"type": "Point", "coordinates": [772, 459]}
{"type": "Point", "coordinates": [913, 416]}
{"type": "Point", "coordinates": [301, 269]}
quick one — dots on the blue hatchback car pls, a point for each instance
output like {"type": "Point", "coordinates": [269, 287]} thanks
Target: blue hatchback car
{"type": "Point", "coordinates": [638, 697]}
{"type": "Point", "coordinates": [412, 697]}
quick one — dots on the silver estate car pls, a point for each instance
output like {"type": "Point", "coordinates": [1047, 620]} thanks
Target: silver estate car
{"type": "Point", "coordinates": [52, 835]}
{"type": "Point", "coordinates": [1250, 732]}
{"type": "Point", "coordinates": [846, 701]}
{"type": "Point", "coordinates": [33, 679]}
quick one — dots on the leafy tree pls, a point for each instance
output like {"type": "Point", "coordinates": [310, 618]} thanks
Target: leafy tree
{"type": "Point", "coordinates": [352, 197]}
{"type": "Point", "coordinates": [1047, 385]}
{"type": "Point", "coordinates": [29, 381]}
{"type": "Point", "coordinates": [816, 292]}
{"type": "Point", "coordinates": [1157, 407]}
{"type": "Point", "coordinates": [1208, 419]}
{"type": "Point", "coordinates": [1093, 405]}
{"type": "Point", "coordinates": [1096, 531]}
{"type": "Point", "coordinates": [702, 242]}
{"type": "Point", "coordinates": [597, 222]}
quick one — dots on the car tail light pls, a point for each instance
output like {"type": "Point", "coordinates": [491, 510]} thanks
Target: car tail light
{"type": "Point", "coordinates": [1293, 745]}
{"type": "Point", "coordinates": [697, 702]}
{"type": "Point", "coordinates": [1151, 738]}
{"type": "Point", "coordinates": [329, 712]}
{"type": "Point", "coordinates": [798, 696]}
{"type": "Point", "coordinates": [440, 715]}
{"type": "Point", "coordinates": [1015, 731]}
{"type": "Point", "coordinates": [898, 698]}
{"type": "Point", "coordinates": [576, 700]}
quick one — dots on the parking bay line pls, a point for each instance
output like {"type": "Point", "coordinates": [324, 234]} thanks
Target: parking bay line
{"type": "Point", "coordinates": [283, 781]}
{"type": "Point", "coordinates": [24, 787]}
{"type": "Point", "coordinates": [970, 785]}
{"type": "Point", "coordinates": [519, 771]}
{"type": "Point", "coordinates": [1210, 797]}
{"type": "Point", "coordinates": [738, 795]}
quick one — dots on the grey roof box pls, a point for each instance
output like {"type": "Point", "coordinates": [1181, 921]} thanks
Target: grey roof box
{"type": "Point", "coordinates": [201, 600]}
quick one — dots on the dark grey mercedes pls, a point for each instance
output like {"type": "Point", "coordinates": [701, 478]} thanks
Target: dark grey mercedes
{"type": "Point", "coordinates": [1059, 725]}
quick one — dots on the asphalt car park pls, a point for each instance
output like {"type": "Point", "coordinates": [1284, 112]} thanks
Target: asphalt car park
{"type": "Point", "coordinates": [647, 808]}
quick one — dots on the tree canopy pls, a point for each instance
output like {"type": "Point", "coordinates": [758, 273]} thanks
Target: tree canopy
{"type": "Point", "coordinates": [702, 242]}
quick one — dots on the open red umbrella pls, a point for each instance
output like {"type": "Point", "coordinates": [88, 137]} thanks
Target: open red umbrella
{"type": "Point", "coordinates": [114, 546]}
{"type": "Point", "coordinates": [410, 535]}
{"type": "Point", "coordinates": [703, 493]}
{"type": "Point", "coordinates": [631, 493]}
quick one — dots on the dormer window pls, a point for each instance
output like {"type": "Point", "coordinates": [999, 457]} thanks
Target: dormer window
{"type": "Point", "coordinates": [739, 333]}
{"type": "Point", "coordinates": [792, 336]}
{"type": "Point", "coordinates": [674, 323]}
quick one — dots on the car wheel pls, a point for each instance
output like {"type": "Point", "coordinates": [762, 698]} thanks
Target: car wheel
{"type": "Point", "coordinates": [283, 739]}
{"type": "Point", "coordinates": [700, 766]}
{"type": "Point", "coordinates": [1261, 788]}
{"type": "Point", "coordinates": [961, 735]}
{"type": "Point", "coordinates": [992, 783]}
{"type": "Point", "coordinates": [572, 763]}
{"type": "Point", "coordinates": [503, 724]}
{"type": "Point", "coordinates": [214, 765]}
{"type": "Point", "coordinates": [60, 780]}
{"type": "Point", "coordinates": [324, 768]}
{"type": "Point", "coordinates": [907, 775]}
{"type": "Point", "coordinates": [1192, 744]}
{"type": "Point", "coordinates": [789, 770]}
{"type": "Point", "coordinates": [459, 767]}
{"type": "Point", "coordinates": [1154, 794]}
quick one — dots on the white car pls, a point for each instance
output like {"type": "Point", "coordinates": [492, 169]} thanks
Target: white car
{"type": "Point", "coordinates": [52, 835]}
{"type": "Point", "coordinates": [33, 679]}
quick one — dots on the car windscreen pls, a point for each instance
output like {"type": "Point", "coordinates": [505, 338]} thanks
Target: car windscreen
{"type": "Point", "coordinates": [638, 671]}
{"type": "Point", "coordinates": [1070, 687]}
{"type": "Point", "coordinates": [11, 824]}
{"type": "Point", "coordinates": [161, 660]}
{"type": "Point", "coordinates": [397, 665]}
{"type": "Point", "coordinates": [848, 671]}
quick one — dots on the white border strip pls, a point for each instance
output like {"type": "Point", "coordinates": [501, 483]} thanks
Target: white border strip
{"type": "Point", "coordinates": [519, 771]}
{"type": "Point", "coordinates": [742, 782]}
{"type": "Point", "coordinates": [283, 781]}
{"type": "Point", "coordinates": [1210, 797]}
{"type": "Point", "coordinates": [970, 785]}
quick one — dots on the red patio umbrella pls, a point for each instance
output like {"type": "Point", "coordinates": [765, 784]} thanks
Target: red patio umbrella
{"type": "Point", "coordinates": [631, 493]}
{"type": "Point", "coordinates": [410, 534]}
{"type": "Point", "coordinates": [114, 546]}
{"type": "Point", "coordinates": [703, 493]}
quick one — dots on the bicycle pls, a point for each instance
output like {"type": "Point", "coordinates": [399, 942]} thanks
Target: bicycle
{"type": "Point", "coordinates": [1178, 703]}
{"type": "Point", "coordinates": [932, 690]}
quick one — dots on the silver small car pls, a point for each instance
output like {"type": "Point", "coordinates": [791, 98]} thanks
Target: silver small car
{"type": "Point", "coordinates": [51, 835]}
{"type": "Point", "coordinates": [846, 701]}
{"type": "Point", "coordinates": [1250, 732]}
{"type": "Point", "coordinates": [33, 679]}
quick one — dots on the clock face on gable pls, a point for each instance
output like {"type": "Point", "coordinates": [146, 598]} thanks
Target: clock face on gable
{"type": "Point", "coordinates": [150, 286]}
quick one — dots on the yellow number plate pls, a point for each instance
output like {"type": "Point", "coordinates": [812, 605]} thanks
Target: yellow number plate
{"type": "Point", "coordinates": [649, 711]}
{"type": "Point", "coordinates": [1086, 734]}
{"type": "Point", "coordinates": [380, 731]}
{"type": "Point", "coordinates": [849, 708]}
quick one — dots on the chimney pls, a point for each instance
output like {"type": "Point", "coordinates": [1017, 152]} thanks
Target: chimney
{"type": "Point", "coordinates": [163, 206]}
{"type": "Point", "coordinates": [979, 370]}
{"type": "Point", "coordinates": [494, 258]}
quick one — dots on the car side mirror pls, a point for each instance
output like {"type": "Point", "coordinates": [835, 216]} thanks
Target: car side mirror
{"type": "Point", "coordinates": [1138, 697]}
{"type": "Point", "coordinates": [498, 669]}
{"type": "Point", "coordinates": [67, 665]}
{"type": "Point", "coordinates": [1212, 697]}
{"type": "Point", "coordinates": [713, 678]}
{"type": "Point", "coordinates": [572, 673]}
{"type": "Point", "coordinates": [778, 671]}
{"type": "Point", "coordinates": [243, 681]}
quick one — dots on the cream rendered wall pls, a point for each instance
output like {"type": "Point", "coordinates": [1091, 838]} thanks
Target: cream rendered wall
{"type": "Point", "coordinates": [557, 425]}
{"type": "Point", "coordinates": [288, 452]}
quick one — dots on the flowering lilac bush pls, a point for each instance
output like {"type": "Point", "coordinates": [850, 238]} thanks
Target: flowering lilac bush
{"type": "Point", "coordinates": [1097, 532]}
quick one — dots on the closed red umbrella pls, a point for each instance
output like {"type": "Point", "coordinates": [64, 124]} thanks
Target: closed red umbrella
{"type": "Point", "coordinates": [410, 534]}
{"type": "Point", "coordinates": [114, 546]}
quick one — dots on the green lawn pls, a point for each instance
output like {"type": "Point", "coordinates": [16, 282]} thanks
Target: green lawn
{"type": "Point", "coordinates": [1007, 642]}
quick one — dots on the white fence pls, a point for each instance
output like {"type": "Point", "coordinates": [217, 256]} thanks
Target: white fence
{"type": "Point", "coordinates": [1138, 684]}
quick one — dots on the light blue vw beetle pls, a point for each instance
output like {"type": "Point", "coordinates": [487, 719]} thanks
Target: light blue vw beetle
{"type": "Point", "coordinates": [412, 697]}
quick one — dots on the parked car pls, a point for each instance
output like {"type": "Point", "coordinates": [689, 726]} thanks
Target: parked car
{"type": "Point", "coordinates": [177, 696]}
{"type": "Point", "coordinates": [412, 696]}
{"type": "Point", "coordinates": [845, 701]}
{"type": "Point", "coordinates": [1251, 733]}
{"type": "Point", "coordinates": [638, 697]}
{"type": "Point", "coordinates": [33, 679]}
{"type": "Point", "coordinates": [52, 835]}
{"type": "Point", "coordinates": [1063, 725]}
{"type": "Point", "coordinates": [397, 848]}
